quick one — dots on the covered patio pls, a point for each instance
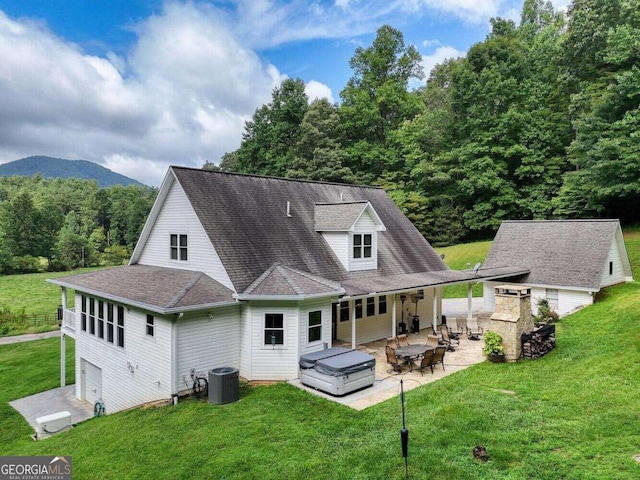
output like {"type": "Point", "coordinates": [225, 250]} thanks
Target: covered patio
{"type": "Point", "coordinates": [387, 382]}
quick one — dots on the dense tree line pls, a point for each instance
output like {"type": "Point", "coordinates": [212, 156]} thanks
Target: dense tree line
{"type": "Point", "coordinates": [540, 120]}
{"type": "Point", "coordinates": [68, 222]}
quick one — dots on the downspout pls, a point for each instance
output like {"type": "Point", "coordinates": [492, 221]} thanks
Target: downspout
{"type": "Point", "coordinates": [435, 309]}
{"type": "Point", "coordinates": [353, 326]}
{"type": "Point", "coordinates": [63, 359]}
{"type": "Point", "coordinates": [394, 317]}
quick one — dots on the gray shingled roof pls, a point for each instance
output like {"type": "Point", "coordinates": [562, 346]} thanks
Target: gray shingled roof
{"type": "Point", "coordinates": [157, 288]}
{"type": "Point", "coordinates": [282, 280]}
{"type": "Point", "coordinates": [567, 253]}
{"type": "Point", "coordinates": [337, 216]}
{"type": "Point", "coordinates": [246, 220]}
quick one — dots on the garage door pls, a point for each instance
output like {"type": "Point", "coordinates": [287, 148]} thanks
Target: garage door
{"type": "Point", "coordinates": [92, 382]}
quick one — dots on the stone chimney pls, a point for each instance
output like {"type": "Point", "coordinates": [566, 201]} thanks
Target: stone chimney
{"type": "Point", "coordinates": [512, 317]}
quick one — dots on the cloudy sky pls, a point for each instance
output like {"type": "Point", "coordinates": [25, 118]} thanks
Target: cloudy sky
{"type": "Point", "coordinates": [137, 85]}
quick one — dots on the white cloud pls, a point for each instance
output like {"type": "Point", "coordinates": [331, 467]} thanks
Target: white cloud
{"type": "Point", "coordinates": [190, 89]}
{"type": "Point", "coordinates": [316, 90]}
{"type": "Point", "coordinates": [474, 11]}
{"type": "Point", "coordinates": [439, 56]}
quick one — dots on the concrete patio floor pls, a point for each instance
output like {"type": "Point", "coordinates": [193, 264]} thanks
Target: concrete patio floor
{"type": "Point", "coordinates": [53, 401]}
{"type": "Point", "coordinates": [387, 382]}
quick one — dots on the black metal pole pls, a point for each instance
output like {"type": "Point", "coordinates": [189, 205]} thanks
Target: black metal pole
{"type": "Point", "coordinates": [404, 434]}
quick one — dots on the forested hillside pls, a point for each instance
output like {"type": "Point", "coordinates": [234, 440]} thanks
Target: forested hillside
{"type": "Point", "coordinates": [50, 167]}
{"type": "Point", "coordinates": [540, 120]}
{"type": "Point", "coordinates": [68, 222]}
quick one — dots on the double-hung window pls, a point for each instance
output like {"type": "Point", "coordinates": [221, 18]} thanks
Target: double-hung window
{"type": "Point", "coordinates": [92, 316]}
{"type": "Point", "coordinates": [362, 245]}
{"type": "Point", "coordinates": [274, 329]}
{"type": "Point", "coordinates": [100, 319]}
{"type": "Point", "coordinates": [110, 322]}
{"type": "Point", "coordinates": [83, 316]}
{"type": "Point", "coordinates": [382, 304]}
{"type": "Point", "coordinates": [315, 326]}
{"type": "Point", "coordinates": [178, 247]}
{"type": "Point", "coordinates": [120, 330]}
{"type": "Point", "coordinates": [150, 325]}
{"type": "Point", "coordinates": [344, 312]}
{"type": "Point", "coordinates": [371, 306]}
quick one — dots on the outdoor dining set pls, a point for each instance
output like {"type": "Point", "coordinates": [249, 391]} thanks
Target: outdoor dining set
{"type": "Point", "coordinates": [446, 337]}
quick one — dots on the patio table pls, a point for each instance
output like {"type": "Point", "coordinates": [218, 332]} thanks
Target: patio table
{"type": "Point", "coordinates": [412, 352]}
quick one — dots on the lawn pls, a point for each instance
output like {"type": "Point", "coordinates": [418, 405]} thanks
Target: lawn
{"type": "Point", "coordinates": [572, 414]}
{"type": "Point", "coordinates": [464, 257]}
{"type": "Point", "coordinates": [31, 293]}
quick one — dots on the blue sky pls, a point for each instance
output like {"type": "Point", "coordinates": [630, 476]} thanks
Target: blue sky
{"type": "Point", "coordinates": [137, 85]}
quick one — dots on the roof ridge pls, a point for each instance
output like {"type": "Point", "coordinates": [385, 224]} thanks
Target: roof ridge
{"type": "Point", "coordinates": [294, 286]}
{"type": "Point", "coordinates": [273, 177]}
{"type": "Point", "coordinates": [175, 300]}
{"type": "Point", "coordinates": [316, 278]}
{"type": "Point", "coordinates": [252, 286]}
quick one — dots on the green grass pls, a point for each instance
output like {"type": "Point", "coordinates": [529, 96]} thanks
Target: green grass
{"type": "Point", "coordinates": [464, 257]}
{"type": "Point", "coordinates": [573, 414]}
{"type": "Point", "coordinates": [31, 293]}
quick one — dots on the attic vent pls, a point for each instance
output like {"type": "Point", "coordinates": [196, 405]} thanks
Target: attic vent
{"type": "Point", "coordinates": [288, 209]}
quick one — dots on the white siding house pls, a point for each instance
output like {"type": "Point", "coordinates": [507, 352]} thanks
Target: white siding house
{"type": "Point", "coordinates": [569, 261]}
{"type": "Point", "coordinates": [243, 271]}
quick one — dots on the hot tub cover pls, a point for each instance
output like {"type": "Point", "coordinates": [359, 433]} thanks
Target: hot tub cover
{"type": "Point", "coordinates": [309, 360]}
{"type": "Point", "coordinates": [345, 363]}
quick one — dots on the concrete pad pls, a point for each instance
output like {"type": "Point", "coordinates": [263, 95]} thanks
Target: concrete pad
{"type": "Point", "coordinates": [53, 401]}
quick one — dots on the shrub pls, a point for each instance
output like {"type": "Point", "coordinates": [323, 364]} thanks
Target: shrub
{"type": "Point", "coordinates": [545, 313]}
{"type": "Point", "coordinates": [493, 343]}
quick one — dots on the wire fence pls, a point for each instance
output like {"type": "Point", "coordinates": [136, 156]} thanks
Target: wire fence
{"type": "Point", "coordinates": [25, 320]}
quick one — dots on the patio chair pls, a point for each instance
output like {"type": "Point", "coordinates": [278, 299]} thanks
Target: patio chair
{"type": "Point", "coordinates": [392, 342]}
{"type": "Point", "coordinates": [393, 360]}
{"type": "Point", "coordinates": [402, 340]}
{"type": "Point", "coordinates": [453, 329]}
{"type": "Point", "coordinates": [432, 341]}
{"type": "Point", "coordinates": [438, 357]}
{"type": "Point", "coordinates": [449, 342]}
{"type": "Point", "coordinates": [474, 332]}
{"type": "Point", "coordinates": [425, 361]}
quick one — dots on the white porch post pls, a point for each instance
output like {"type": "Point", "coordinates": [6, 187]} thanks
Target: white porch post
{"type": "Point", "coordinates": [469, 300]}
{"type": "Point", "coordinates": [63, 358]}
{"type": "Point", "coordinates": [63, 298]}
{"type": "Point", "coordinates": [353, 326]}
{"type": "Point", "coordinates": [435, 308]}
{"type": "Point", "coordinates": [394, 316]}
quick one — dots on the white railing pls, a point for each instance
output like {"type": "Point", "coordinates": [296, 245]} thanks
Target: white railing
{"type": "Point", "coordinates": [69, 319]}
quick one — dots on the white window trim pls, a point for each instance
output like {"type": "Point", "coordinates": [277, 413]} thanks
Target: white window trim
{"type": "Point", "coordinates": [283, 345]}
{"type": "Point", "coordinates": [309, 327]}
{"type": "Point", "coordinates": [178, 247]}
{"type": "Point", "coordinates": [363, 263]}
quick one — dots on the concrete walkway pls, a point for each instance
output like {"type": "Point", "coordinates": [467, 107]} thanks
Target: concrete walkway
{"type": "Point", "coordinates": [28, 337]}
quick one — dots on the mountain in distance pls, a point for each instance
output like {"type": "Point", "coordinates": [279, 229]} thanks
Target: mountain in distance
{"type": "Point", "coordinates": [50, 167]}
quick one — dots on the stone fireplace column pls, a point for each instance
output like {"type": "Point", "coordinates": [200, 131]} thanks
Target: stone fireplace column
{"type": "Point", "coordinates": [512, 317]}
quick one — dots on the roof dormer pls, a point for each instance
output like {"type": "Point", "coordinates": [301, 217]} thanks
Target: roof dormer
{"type": "Point", "coordinates": [351, 230]}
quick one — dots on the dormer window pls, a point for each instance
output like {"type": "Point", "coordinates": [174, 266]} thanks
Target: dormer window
{"type": "Point", "coordinates": [352, 230]}
{"type": "Point", "coordinates": [362, 245]}
{"type": "Point", "coordinates": [178, 247]}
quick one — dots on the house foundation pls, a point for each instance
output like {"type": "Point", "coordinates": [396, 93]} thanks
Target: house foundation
{"type": "Point", "coordinates": [512, 317]}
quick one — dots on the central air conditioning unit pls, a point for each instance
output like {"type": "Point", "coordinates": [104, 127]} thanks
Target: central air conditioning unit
{"type": "Point", "coordinates": [224, 385]}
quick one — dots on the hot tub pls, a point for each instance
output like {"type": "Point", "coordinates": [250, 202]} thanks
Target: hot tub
{"type": "Point", "coordinates": [338, 370]}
